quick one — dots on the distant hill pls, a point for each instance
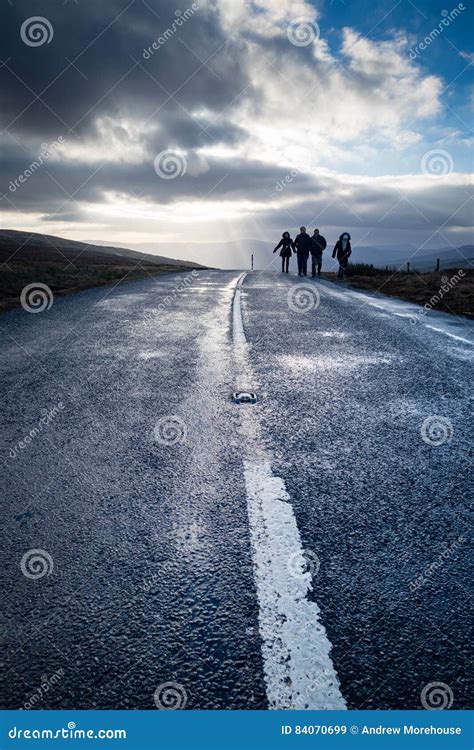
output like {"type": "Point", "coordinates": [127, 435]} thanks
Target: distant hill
{"type": "Point", "coordinates": [65, 266]}
{"type": "Point", "coordinates": [459, 257]}
{"type": "Point", "coordinates": [34, 247]}
{"type": "Point", "coordinates": [237, 253]}
{"type": "Point", "coordinates": [232, 254]}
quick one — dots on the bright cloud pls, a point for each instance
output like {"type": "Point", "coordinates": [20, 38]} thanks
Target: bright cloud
{"type": "Point", "coordinates": [347, 115]}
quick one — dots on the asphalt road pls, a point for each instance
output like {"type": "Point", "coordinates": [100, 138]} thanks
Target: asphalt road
{"type": "Point", "coordinates": [169, 520]}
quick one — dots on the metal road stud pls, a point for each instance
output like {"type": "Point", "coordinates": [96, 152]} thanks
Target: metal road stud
{"type": "Point", "coordinates": [244, 397]}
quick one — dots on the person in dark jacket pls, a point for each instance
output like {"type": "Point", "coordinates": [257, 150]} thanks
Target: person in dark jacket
{"type": "Point", "coordinates": [342, 251]}
{"type": "Point", "coordinates": [303, 247]}
{"type": "Point", "coordinates": [287, 245]}
{"type": "Point", "coordinates": [318, 245]}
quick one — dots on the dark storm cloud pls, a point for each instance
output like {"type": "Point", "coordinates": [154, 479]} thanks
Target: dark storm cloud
{"type": "Point", "coordinates": [117, 107]}
{"type": "Point", "coordinates": [96, 69]}
{"type": "Point", "coordinates": [387, 208]}
{"type": "Point", "coordinates": [109, 75]}
{"type": "Point", "coordinates": [60, 191]}
{"type": "Point", "coordinates": [49, 186]}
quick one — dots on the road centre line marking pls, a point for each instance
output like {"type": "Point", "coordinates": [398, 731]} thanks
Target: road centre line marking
{"type": "Point", "coordinates": [298, 670]}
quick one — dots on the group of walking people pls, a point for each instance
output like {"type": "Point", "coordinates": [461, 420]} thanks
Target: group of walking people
{"type": "Point", "coordinates": [305, 245]}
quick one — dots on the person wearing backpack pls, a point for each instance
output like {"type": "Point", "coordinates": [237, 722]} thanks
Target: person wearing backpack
{"type": "Point", "coordinates": [318, 245]}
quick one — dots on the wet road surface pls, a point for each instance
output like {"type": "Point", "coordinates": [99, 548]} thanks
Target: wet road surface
{"type": "Point", "coordinates": [185, 539]}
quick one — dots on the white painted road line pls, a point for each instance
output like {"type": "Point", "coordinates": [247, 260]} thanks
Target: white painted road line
{"type": "Point", "coordinates": [299, 673]}
{"type": "Point", "coordinates": [411, 311]}
{"type": "Point", "coordinates": [237, 325]}
{"type": "Point", "coordinates": [447, 333]}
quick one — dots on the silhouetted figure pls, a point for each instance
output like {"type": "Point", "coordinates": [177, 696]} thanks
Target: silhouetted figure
{"type": "Point", "coordinates": [287, 245]}
{"type": "Point", "coordinates": [303, 247]}
{"type": "Point", "coordinates": [318, 245]}
{"type": "Point", "coordinates": [342, 251]}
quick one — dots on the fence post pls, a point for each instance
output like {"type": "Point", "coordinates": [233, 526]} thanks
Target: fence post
{"type": "Point", "coordinates": [408, 267]}
{"type": "Point", "coordinates": [437, 264]}
{"type": "Point", "coordinates": [252, 262]}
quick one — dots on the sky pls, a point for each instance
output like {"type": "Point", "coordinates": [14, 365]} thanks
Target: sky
{"type": "Point", "coordinates": [144, 122]}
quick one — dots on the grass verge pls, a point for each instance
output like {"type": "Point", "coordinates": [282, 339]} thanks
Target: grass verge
{"type": "Point", "coordinates": [450, 290]}
{"type": "Point", "coordinates": [16, 275]}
